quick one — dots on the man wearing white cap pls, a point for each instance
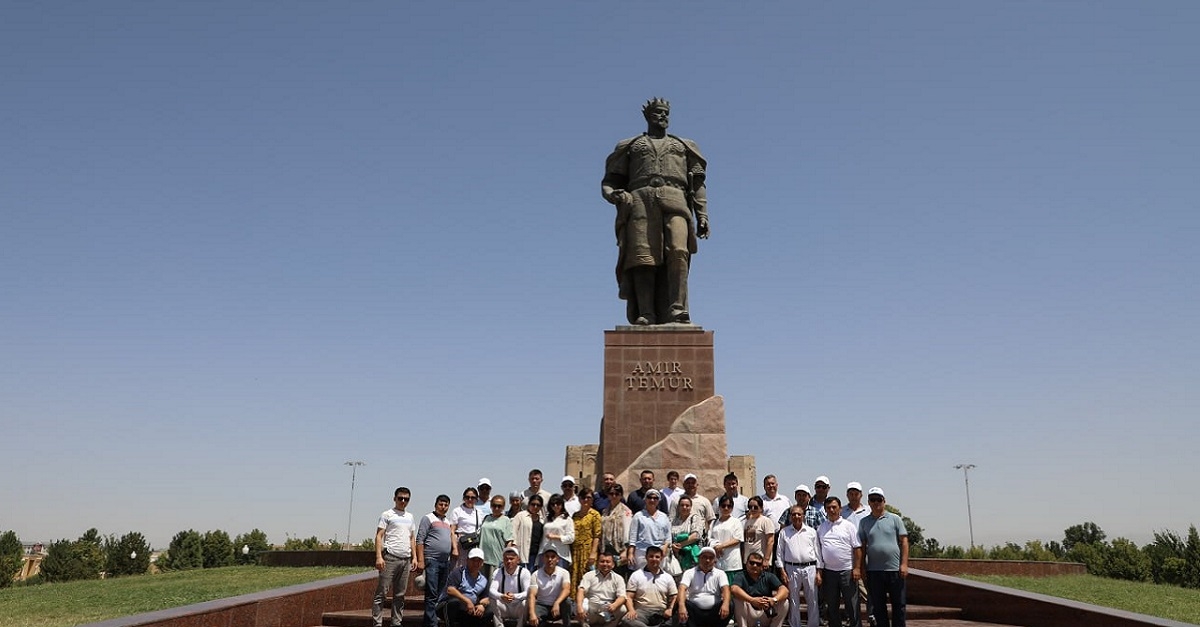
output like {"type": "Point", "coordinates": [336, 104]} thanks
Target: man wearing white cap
{"type": "Point", "coordinates": [885, 552]}
{"type": "Point", "coordinates": [703, 599]}
{"type": "Point", "coordinates": [803, 495]}
{"type": "Point", "coordinates": [647, 528]}
{"type": "Point", "coordinates": [466, 596]}
{"type": "Point", "coordinates": [854, 511]}
{"type": "Point", "coordinates": [700, 504]}
{"type": "Point", "coordinates": [816, 514]}
{"type": "Point", "coordinates": [509, 590]}
{"type": "Point", "coordinates": [485, 490]}
{"type": "Point", "coordinates": [570, 500]}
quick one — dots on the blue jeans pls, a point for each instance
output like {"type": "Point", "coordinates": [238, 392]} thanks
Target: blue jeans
{"type": "Point", "coordinates": [437, 572]}
{"type": "Point", "coordinates": [837, 584]}
{"type": "Point", "coordinates": [882, 585]}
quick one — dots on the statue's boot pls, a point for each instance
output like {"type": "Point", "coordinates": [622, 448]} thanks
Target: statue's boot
{"type": "Point", "coordinates": [677, 290]}
{"type": "Point", "coordinates": [643, 289]}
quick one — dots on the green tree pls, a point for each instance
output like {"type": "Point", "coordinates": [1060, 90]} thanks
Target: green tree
{"type": "Point", "coordinates": [368, 544]}
{"type": "Point", "coordinates": [1085, 533]}
{"type": "Point", "coordinates": [218, 549]}
{"type": "Point", "coordinates": [130, 555]}
{"type": "Point", "coordinates": [185, 551]}
{"type": "Point", "coordinates": [1124, 560]}
{"type": "Point", "coordinates": [68, 560]}
{"type": "Point", "coordinates": [1167, 546]}
{"type": "Point", "coordinates": [257, 542]}
{"type": "Point", "coordinates": [11, 557]}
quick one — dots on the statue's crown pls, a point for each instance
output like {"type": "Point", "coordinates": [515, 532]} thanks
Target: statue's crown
{"type": "Point", "coordinates": [654, 103]}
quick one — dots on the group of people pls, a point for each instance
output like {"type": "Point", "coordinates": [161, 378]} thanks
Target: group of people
{"type": "Point", "coordinates": [654, 556]}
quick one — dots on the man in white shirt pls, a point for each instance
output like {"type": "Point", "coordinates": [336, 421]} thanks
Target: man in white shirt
{"type": "Point", "coordinates": [535, 487]}
{"type": "Point", "coordinates": [731, 490]}
{"type": "Point", "coordinates": [703, 598]}
{"type": "Point", "coordinates": [394, 540]}
{"type": "Point", "coordinates": [600, 598]}
{"type": "Point", "coordinates": [841, 554]}
{"type": "Point", "coordinates": [652, 592]}
{"type": "Point", "coordinates": [799, 555]}
{"type": "Point", "coordinates": [854, 511]}
{"type": "Point", "coordinates": [671, 492]}
{"type": "Point", "coordinates": [550, 592]}
{"type": "Point", "coordinates": [510, 590]}
{"type": "Point", "coordinates": [775, 505]}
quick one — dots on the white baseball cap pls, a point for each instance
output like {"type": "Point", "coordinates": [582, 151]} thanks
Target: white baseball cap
{"type": "Point", "coordinates": [876, 490]}
{"type": "Point", "coordinates": [854, 485]}
{"type": "Point", "coordinates": [821, 479]}
{"type": "Point", "coordinates": [474, 553]}
{"type": "Point", "coordinates": [568, 479]}
{"type": "Point", "coordinates": [803, 488]}
{"type": "Point", "coordinates": [485, 481]}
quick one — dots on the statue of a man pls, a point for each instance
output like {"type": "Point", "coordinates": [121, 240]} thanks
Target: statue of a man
{"type": "Point", "coordinates": [656, 182]}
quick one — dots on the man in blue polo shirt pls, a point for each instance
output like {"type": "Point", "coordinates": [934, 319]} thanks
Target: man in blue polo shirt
{"type": "Point", "coordinates": [885, 553]}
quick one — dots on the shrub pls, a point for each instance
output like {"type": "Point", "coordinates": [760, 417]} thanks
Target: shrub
{"type": "Point", "coordinates": [185, 551]}
{"type": "Point", "coordinates": [1124, 560]}
{"type": "Point", "coordinates": [217, 549]}
{"type": "Point", "coordinates": [118, 554]}
{"type": "Point", "coordinates": [69, 561]}
{"type": "Point", "coordinates": [256, 540]}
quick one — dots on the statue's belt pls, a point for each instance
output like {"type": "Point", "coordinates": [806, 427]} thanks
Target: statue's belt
{"type": "Point", "coordinates": [657, 181]}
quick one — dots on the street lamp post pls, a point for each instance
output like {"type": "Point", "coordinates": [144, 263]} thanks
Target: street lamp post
{"type": "Point", "coordinates": [353, 474]}
{"type": "Point", "coordinates": [967, 483]}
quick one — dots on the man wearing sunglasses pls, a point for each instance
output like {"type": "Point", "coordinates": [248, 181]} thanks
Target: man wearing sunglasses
{"type": "Point", "coordinates": [758, 595]}
{"type": "Point", "coordinates": [885, 552]}
{"type": "Point", "coordinates": [394, 540]}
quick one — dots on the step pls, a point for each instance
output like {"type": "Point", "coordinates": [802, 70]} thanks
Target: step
{"type": "Point", "coordinates": [412, 617]}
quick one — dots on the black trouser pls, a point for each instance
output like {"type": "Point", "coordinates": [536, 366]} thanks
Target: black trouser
{"type": "Point", "coordinates": [837, 584]}
{"type": "Point", "coordinates": [458, 615]}
{"type": "Point", "coordinates": [883, 585]}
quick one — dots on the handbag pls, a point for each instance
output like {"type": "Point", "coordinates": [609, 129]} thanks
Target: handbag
{"type": "Point", "coordinates": [671, 566]}
{"type": "Point", "coordinates": [468, 541]}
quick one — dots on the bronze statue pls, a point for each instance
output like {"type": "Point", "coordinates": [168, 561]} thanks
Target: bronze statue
{"type": "Point", "coordinates": [656, 182]}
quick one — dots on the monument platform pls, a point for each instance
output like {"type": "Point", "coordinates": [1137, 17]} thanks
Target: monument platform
{"type": "Point", "coordinates": [660, 408]}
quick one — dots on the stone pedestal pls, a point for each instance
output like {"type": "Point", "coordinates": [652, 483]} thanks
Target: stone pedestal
{"type": "Point", "coordinates": [660, 408]}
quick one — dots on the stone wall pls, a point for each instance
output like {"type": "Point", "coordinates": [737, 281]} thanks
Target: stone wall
{"type": "Point", "coordinates": [292, 606]}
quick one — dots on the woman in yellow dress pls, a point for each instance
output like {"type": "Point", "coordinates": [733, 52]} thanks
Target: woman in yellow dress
{"type": "Point", "coordinates": [585, 548]}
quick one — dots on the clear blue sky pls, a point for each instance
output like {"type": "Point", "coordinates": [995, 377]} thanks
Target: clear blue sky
{"type": "Point", "coordinates": [243, 243]}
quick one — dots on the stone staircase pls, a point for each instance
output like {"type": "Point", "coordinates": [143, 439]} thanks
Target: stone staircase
{"type": "Point", "coordinates": [414, 609]}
